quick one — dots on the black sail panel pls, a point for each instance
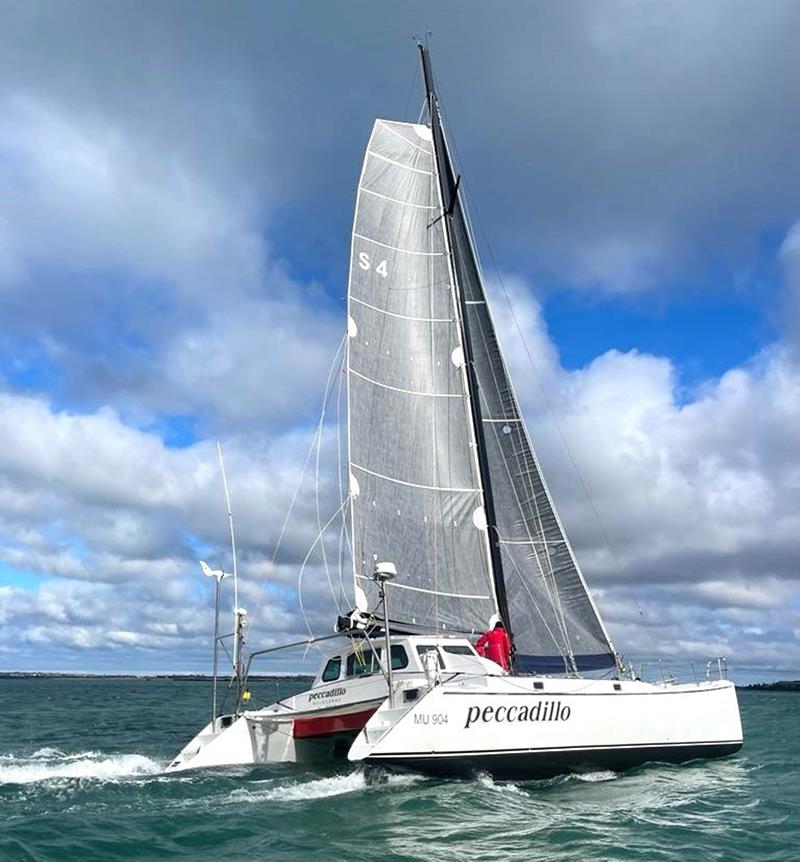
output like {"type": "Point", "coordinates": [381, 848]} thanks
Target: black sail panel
{"type": "Point", "coordinates": [540, 588]}
{"type": "Point", "coordinates": [554, 621]}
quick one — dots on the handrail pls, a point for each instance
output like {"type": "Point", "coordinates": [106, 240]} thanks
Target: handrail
{"type": "Point", "coordinates": [306, 642]}
{"type": "Point", "coordinates": [722, 667]}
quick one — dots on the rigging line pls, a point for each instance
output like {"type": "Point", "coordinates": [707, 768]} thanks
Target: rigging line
{"type": "Point", "coordinates": [339, 476]}
{"type": "Point", "coordinates": [473, 429]}
{"type": "Point", "coordinates": [329, 386]}
{"type": "Point", "coordinates": [342, 543]}
{"type": "Point", "coordinates": [524, 583]}
{"type": "Point", "coordinates": [411, 90]}
{"type": "Point", "coordinates": [436, 477]}
{"type": "Point", "coordinates": [560, 431]}
{"type": "Point", "coordinates": [291, 507]}
{"type": "Point", "coordinates": [507, 398]}
{"type": "Point", "coordinates": [551, 410]}
{"type": "Point", "coordinates": [558, 611]}
{"type": "Point", "coordinates": [540, 383]}
{"type": "Point", "coordinates": [320, 534]}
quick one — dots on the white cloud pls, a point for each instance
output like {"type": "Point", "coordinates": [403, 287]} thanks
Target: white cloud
{"type": "Point", "coordinates": [699, 499]}
{"type": "Point", "coordinates": [150, 187]}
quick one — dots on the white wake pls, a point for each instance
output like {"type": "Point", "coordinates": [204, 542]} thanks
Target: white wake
{"type": "Point", "coordinates": [319, 788]}
{"type": "Point", "coordinates": [49, 764]}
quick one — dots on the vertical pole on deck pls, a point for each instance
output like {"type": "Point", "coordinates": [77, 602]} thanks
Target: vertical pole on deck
{"type": "Point", "coordinates": [218, 581]}
{"type": "Point", "coordinates": [384, 572]}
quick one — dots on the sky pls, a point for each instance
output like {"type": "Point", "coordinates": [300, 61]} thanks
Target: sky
{"type": "Point", "coordinates": [176, 194]}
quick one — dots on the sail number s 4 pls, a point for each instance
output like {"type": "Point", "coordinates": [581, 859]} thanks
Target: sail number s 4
{"type": "Point", "coordinates": [430, 718]}
{"type": "Point", "coordinates": [366, 264]}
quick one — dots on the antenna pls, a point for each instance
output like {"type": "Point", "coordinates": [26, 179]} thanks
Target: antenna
{"type": "Point", "coordinates": [233, 549]}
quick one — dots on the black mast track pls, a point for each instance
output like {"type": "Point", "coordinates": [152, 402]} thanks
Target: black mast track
{"type": "Point", "coordinates": [448, 185]}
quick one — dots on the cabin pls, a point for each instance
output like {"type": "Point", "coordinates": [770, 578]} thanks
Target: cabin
{"type": "Point", "coordinates": [363, 657]}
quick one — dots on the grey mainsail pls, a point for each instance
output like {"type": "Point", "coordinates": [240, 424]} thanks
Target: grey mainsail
{"type": "Point", "coordinates": [415, 491]}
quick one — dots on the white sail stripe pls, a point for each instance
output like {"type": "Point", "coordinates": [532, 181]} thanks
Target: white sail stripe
{"type": "Point", "coordinates": [406, 391]}
{"type": "Point", "coordinates": [529, 542]}
{"type": "Point", "coordinates": [397, 134]}
{"type": "Point", "coordinates": [498, 421]}
{"type": "Point", "coordinates": [397, 164]}
{"type": "Point", "coordinates": [415, 484]}
{"type": "Point", "coordinates": [475, 302]}
{"type": "Point", "coordinates": [395, 248]}
{"type": "Point", "coordinates": [429, 592]}
{"type": "Point", "coordinates": [396, 200]}
{"type": "Point", "coordinates": [404, 316]}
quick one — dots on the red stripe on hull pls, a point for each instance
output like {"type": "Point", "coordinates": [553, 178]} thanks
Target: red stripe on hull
{"type": "Point", "coordinates": [323, 725]}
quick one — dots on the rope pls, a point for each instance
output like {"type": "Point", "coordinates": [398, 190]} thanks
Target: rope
{"type": "Point", "coordinates": [294, 495]}
{"type": "Point", "coordinates": [545, 395]}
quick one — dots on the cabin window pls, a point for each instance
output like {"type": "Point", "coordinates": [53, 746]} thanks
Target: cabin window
{"type": "Point", "coordinates": [332, 669]}
{"type": "Point", "coordinates": [399, 657]}
{"type": "Point", "coordinates": [423, 648]}
{"type": "Point", "coordinates": [458, 649]}
{"type": "Point", "coordinates": [361, 662]}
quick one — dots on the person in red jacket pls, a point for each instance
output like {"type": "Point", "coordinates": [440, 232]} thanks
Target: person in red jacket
{"type": "Point", "coordinates": [496, 645]}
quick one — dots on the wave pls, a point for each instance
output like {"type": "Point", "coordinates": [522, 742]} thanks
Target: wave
{"type": "Point", "coordinates": [600, 775]}
{"type": "Point", "coordinates": [320, 788]}
{"type": "Point", "coordinates": [501, 786]}
{"type": "Point", "coordinates": [51, 764]}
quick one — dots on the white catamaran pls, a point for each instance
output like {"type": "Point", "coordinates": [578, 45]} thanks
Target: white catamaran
{"type": "Point", "coordinates": [452, 526]}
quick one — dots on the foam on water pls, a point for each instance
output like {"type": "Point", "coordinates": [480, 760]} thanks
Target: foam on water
{"type": "Point", "coordinates": [50, 764]}
{"type": "Point", "coordinates": [503, 787]}
{"type": "Point", "coordinates": [600, 775]}
{"type": "Point", "coordinates": [319, 788]}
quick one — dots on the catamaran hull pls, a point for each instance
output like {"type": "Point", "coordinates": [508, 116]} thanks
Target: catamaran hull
{"type": "Point", "coordinates": [578, 726]}
{"type": "Point", "coordinates": [533, 764]}
{"type": "Point", "coordinates": [256, 738]}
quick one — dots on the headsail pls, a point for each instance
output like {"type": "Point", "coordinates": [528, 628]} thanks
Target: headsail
{"type": "Point", "coordinates": [554, 621]}
{"type": "Point", "coordinates": [414, 487]}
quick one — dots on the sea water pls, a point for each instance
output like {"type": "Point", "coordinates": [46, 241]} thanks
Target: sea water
{"type": "Point", "coordinates": [81, 779]}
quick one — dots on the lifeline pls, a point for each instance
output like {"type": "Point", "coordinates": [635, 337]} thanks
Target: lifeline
{"type": "Point", "coordinates": [548, 710]}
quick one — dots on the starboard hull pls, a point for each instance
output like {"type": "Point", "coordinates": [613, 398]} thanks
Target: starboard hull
{"type": "Point", "coordinates": [508, 729]}
{"type": "Point", "coordinates": [527, 765]}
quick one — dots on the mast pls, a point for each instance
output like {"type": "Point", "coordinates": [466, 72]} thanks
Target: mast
{"type": "Point", "coordinates": [448, 185]}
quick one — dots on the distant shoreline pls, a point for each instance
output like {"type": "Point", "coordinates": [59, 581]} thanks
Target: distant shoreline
{"type": "Point", "coordinates": [175, 677]}
{"type": "Point", "coordinates": [782, 685]}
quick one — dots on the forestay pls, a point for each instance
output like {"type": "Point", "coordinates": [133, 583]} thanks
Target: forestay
{"type": "Point", "coordinates": [415, 492]}
{"type": "Point", "coordinates": [553, 619]}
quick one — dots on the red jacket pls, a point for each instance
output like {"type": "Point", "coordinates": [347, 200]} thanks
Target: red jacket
{"type": "Point", "coordinates": [495, 645]}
